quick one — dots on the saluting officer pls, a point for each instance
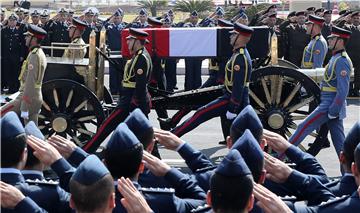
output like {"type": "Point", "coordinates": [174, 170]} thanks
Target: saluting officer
{"type": "Point", "coordinates": [237, 77]}
{"type": "Point", "coordinates": [35, 18]}
{"type": "Point", "coordinates": [88, 19]}
{"type": "Point", "coordinates": [326, 31]}
{"type": "Point", "coordinates": [75, 31]}
{"type": "Point", "coordinates": [28, 102]}
{"type": "Point", "coordinates": [315, 52]}
{"type": "Point", "coordinates": [140, 21]}
{"type": "Point", "coordinates": [134, 87]}
{"type": "Point", "coordinates": [334, 89]}
{"type": "Point", "coordinates": [170, 63]}
{"type": "Point", "coordinates": [12, 51]}
{"type": "Point", "coordinates": [58, 31]}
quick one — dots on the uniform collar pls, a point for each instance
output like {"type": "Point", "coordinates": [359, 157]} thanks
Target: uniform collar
{"type": "Point", "coordinates": [339, 51]}
{"type": "Point", "coordinates": [238, 49]}
{"type": "Point", "coordinates": [11, 176]}
{"type": "Point", "coordinates": [32, 172]}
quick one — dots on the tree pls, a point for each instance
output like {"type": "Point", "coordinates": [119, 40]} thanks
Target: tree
{"type": "Point", "coordinates": [249, 11]}
{"type": "Point", "coordinates": [152, 5]}
{"type": "Point", "coordinates": [191, 5]}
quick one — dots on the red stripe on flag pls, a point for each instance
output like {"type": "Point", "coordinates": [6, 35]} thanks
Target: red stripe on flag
{"type": "Point", "coordinates": [162, 42]}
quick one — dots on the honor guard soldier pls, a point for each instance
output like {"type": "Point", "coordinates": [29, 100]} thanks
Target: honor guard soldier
{"type": "Point", "coordinates": [319, 12]}
{"type": "Point", "coordinates": [334, 90]}
{"type": "Point", "coordinates": [45, 24]}
{"type": "Point", "coordinates": [353, 48]}
{"type": "Point", "coordinates": [92, 187]}
{"type": "Point", "coordinates": [12, 52]}
{"type": "Point", "coordinates": [58, 31]}
{"type": "Point", "coordinates": [89, 16]}
{"type": "Point", "coordinates": [284, 33]}
{"type": "Point", "coordinates": [237, 77]}
{"type": "Point", "coordinates": [310, 11]}
{"type": "Point", "coordinates": [211, 21]}
{"type": "Point", "coordinates": [315, 52]}
{"type": "Point", "coordinates": [134, 87]}
{"type": "Point", "coordinates": [47, 194]}
{"type": "Point", "coordinates": [75, 31]}
{"type": "Point", "coordinates": [35, 18]}
{"type": "Point", "coordinates": [326, 31]}
{"type": "Point", "coordinates": [122, 146]}
{"type": "Point", "coordinates": [192, 65]}
{"type": "Point", "coordinates": [28, 103]}
{"type": "Point", "coordinates": [113, 31]}
{"type": "Point", "coordinates": [140, 21]}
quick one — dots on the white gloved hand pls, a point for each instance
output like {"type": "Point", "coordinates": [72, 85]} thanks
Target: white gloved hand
{"type": "Point", "coordinates": [331, 117]}
{"type": "Point", "coordinates": [230, 115]}
{"type": "Point", "coordinates": [24, 115]}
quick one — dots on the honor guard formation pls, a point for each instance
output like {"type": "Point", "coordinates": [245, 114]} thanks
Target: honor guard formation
{"type": "Point", "coordinates": [261, 171]}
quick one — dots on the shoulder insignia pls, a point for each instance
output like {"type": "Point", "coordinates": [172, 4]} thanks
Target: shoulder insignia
{"type": "Point", "coordinates": [201, 170]}
{"type": "Point", "coordinates": [139, 71]}
{"type": "Point", "coordinates": [30, 66]}
{"type": "Point", "coordinates": [236, 67]}
{"type": "Point", "coordinates": [241, 51]}
{"type": "Point", "coordinates": [158, 190]}
{"type": "Point", "coordinates": [343, 73]}
{"type": "Point", "coordinates": [201, 208]}
{"type": "Point", "coordinates": [42, 182]}
{"type": "Point", "coordinates": [343, 54]}
{"type": "Point", "coordinates": [317, 37]}
{"type": "Point", "coordinates": [332, 201]}
{"type": "Point", "coordinates": [317, 52]}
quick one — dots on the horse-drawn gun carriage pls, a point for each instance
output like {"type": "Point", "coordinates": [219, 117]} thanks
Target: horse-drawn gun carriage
{"type": "Point", "coordinates": [75, 101]}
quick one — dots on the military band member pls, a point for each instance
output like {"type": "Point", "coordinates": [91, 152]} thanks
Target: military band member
{"type": "Point", "coordinates": [334, 90]}
{"type": "Point", "coordinates": [28, 103]}
{"type": "Point", "coordinates": [75, 31]}
{"type": "Point", "coordinates": [134, 87]}
{"type": "Point", "coordinates": [237, 76]}
{"type": "Point", "coordinates": [315, 52]}
{"type": "Point", "coordinates": [12, 52]}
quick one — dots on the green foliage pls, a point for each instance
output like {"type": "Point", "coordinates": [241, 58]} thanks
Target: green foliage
{"type": "Point", "coordinates": [250, 11]}
{"type": "Point", "coordinates": [152, 5]}
{"type": "Point", "coordinates": [191, 5]}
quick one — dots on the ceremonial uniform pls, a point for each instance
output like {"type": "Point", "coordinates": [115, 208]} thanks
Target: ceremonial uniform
{"type": "Point", "coordinates": [334, 89]}
{"type": "Point", "coordinates": [28, 102]}
{"type": "Point", "coordinates": [235, 98]}
{"type": "Point", "coordinates": [12, 52]}
{"type": "Point", "coordinates": [58, 32]}
{"type": "Point", "coordinates": [315, 52]}
{"type": "Point", "coordinates": [76, 54]}
{"type": "Point", "coordinates": [134, 92]}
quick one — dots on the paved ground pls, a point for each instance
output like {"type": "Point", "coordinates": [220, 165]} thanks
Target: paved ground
{"type": "Point", "coordinates": [207, 136]}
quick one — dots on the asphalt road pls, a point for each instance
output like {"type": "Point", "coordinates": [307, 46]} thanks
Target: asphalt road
{"type": "Point", "coordinates": [207, 136]}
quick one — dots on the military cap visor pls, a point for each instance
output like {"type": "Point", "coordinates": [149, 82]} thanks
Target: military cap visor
{"type": "Point", "coordinates": [90, 171]}
{"type": "Point", "coordinates": [292, 14]}
{"type": "Point", "coordinates": [35, 13]}
{"type": "Point", "coordinates": [311, 9]}
{"type": "Point", "coordinates": [339, 32]}
{"type": "Point", "coordinates": [154, 22]}
{"type": "Point", "coordinates": [78, 24]}
{"type": "Point", "coordinates": [356, 13]}
{"type": "Point", "coordinates": [300, 13]}
{"type": "Point", "coordinates": [225, 23]}
{"type": "Point", "coordinates": [327, 12]}
{"type": "Point", "coordinates": [242, 30]}
{"type": "Point", "coordinates": [13, 17]}
{"type": "Point", "coordinates": [36, 31]}
{"type": "Point", "coordinates": [319, 10]}
{"type": "Point", "coordinates": [62, 11]}
{"type": "Point", "coordinates": [138, 34]}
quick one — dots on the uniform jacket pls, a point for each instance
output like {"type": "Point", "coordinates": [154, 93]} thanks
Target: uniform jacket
{"type": "Point", "coordinates": [315, 52]}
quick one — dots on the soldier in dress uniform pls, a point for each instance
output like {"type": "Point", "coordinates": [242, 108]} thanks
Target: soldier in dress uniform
{"type": "Point", "coordinates": [211, 20]}
{"type": "Point", "coordinates": [46, 194]}
{"type": "Point", "coordinates": [231, 187]}
{"type": "Point", "coordinates": [353, 47]}
{"type": "Point", "coordinates": [310, 11]}
{"type": "Point", "coordinates": [28, 103]}
{"type": "Point", "coordinates": [334, 90]}
{"type": "Point", "coordinates": [237, 76]}
{"type": "Point", "coordinates": [134, 87]}
{"type": "Point", "coordinates": [315, 52]}
{"type": "Point", "coordinates": [46, 22]}
{"type": "Point", "coordinates": [58, 31]}
{"type": "Point", "coordinates": [70, 16]}
{"type": "Point", "coordinates": [35, 18]}
{"type": "Point", "coordinates": [284, 33]}
{"type": "Point", "coordinates": [75, 31]}
{"type": "Point", "coordinates": [88, 19]}
{"type": "Point", "coordinates": [113, 31]}
{"type": "Point", "coordinates": [140, 21]}
{"type": "Point", "coordinates": [12, 51]}
{"type": "Point", "coordinates": [326, 31]}
{"type": "Point", "coordinates": [297, 39]}
{"type": "Point", "coordinates": [92, 187]}
{"type": "Point", "coordinates": [192, 65]}
{"type": "Point", "coordinates": [319, 12]}
{"type": "Point", "coordinates": [124, 145]}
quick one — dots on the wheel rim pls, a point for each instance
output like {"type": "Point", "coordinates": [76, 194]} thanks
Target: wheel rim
{"type": "Point", "coordinates": [283, 97]}
{"type": "Point", "coordinates": [70, 110]}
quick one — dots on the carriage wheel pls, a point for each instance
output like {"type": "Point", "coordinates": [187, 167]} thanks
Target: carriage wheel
{"type": "Point", "coordinates": [70, 110]}
{"type": "Point", "coordinates": [283, 97]}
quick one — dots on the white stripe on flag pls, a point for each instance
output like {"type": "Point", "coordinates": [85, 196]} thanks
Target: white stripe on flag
{"type": "Point", "coordinates": [188, 42]}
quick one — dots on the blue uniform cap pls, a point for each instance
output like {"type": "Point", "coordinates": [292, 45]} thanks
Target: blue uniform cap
{"type": "Point", "coordinates": [219, 11]}
{"type": "Point", "coordinates": [248, 119]}
{"type": "Point", "coordinates": [194, 13]}
{"type": "Point", "coordinates": [167, 20]}
{"type": "Point", "coordinates": [353, 137]}
{"type": "Point", "coordinates": [233, 165]}
{"type": "Point", "coordinates": [170, 12]}
{"type": "Point", "coordinates": [250, 150]}
{"type": "Point", "coordinates": [137, 122]}
{"type": "Point", "coordinates": [13, 16]}
{"type": "Point", "coordinates": [90, 171]}
{"type": "Point", "coordinates": [11, 126]}
{"type": "Point", "coordinates": [120, 12]}
{"type": "Point", "coordinates": [143, 12]}
{"type": "Point", "coordinates": [32, 129]}
{"type": "Point", "coordinates": [122, 139]}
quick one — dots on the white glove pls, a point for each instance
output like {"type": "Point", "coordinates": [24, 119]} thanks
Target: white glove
{"type": "Point", "coordinates": [230, 115]}
{"type": "Point", "coordinates": [331, 117]}
{"type": "Point", "coordinates": [24, 115]}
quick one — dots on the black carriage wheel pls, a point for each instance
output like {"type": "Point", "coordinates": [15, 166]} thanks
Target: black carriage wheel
{"type": "Point", "coordinates": [70, 110]}
{"type": "Point", "coordinates": [283, 97]}
{"type": "Point", "coordinates": [288, 64]}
